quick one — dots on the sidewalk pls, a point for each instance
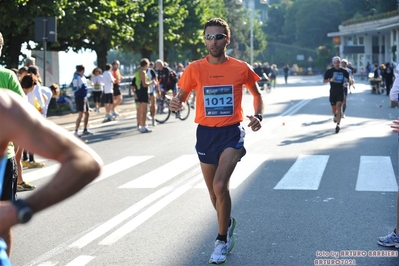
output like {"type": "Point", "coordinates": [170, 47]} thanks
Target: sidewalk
{"type": "Point", "coordinates": [126, 108]}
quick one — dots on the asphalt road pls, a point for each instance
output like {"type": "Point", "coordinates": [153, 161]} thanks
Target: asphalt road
{"type": "Point", "coordinates": [302, 195]}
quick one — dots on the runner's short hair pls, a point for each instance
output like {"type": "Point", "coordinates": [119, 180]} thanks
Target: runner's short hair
{"type": "Point", "coordinates": [336, 58]}
{"type": "Point", "coordinates": [144, 62]}
{"type": "Point", "coordinates": [218, 22]}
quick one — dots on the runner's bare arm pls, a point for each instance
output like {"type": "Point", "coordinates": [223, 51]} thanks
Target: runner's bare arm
{"type": "Point", "coordinates": [28, 129]}
{"type": "Point", "coordinates": [176, 102]}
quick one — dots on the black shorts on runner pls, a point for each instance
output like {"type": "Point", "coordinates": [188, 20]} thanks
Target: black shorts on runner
{"type": "Point", "coordinates": [97, 96]}
{"type": "Point", "coordinates": [82, 105]}
{"type": "Point", "coordinates": [9, 189]}
{"type": "Point", "coordinates": [142, 95]}
{"type": "Point", "coordinates": [336, 96]}
{"type": "Point", "coordinates": [212, 141]}
{"type": "Point", "coordinates": [117, 89]}
{"type": "Point", "coordinates": [108, 98]}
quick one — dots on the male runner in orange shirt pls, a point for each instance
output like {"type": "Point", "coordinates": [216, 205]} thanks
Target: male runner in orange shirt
{"type": "Point", "coordinates": [218, 81]}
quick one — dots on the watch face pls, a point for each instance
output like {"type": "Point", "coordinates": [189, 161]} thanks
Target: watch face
{"type": "Point", "coordinates": [25, 215]}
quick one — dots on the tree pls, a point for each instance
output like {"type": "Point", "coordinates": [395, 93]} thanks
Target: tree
{"type": "Point", "coordinates": [18, 18]}
{"type": "Point", "coordinates": [313, 23]}
{"type": "Point", "coordinates": [98, 25]}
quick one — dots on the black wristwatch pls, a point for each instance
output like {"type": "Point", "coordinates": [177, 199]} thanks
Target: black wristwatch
{"type": "Point", "coordinates": [259, 116]}
{"type": "Point", "coordinates": [24, 212]}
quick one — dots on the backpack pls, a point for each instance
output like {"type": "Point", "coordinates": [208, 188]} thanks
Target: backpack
{"type": "Point", "coordinates": [172, 80]}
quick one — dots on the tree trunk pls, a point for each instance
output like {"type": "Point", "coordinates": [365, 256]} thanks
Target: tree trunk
{"type": "Point", "coordinates": [102, 57]}
{"type": "Point", "coordinates": [13, 46]}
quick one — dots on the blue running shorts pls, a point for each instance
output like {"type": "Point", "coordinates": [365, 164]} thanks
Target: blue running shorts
{"type": "Point", "coordinates": [212, 141]}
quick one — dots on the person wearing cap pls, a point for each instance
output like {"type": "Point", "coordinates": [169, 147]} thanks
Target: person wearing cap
{"type": "Point", "coordinates": [347, 84]}
{"type": "Point", "coordinates": [337, 77]}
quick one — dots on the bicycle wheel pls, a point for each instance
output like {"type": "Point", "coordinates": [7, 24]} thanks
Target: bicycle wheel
{"type": "Point", "coordinates": [185, 111]}
{"type": "Point", "coordinates": [163, 112]}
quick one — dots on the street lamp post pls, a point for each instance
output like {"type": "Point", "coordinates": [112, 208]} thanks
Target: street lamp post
{"type": "Point", "coordinates": [161, 30]}
{"type": "Point", "coordinates": [251, 6]}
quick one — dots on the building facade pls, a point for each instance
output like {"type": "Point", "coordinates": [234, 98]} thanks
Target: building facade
{"type": "Point", "coordinates": [368, 40]}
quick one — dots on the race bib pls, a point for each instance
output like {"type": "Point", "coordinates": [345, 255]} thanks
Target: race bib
{"type": "Point", "coordinates": [218, 100]}
{"type": "Point", "coordinates": [97, 86]}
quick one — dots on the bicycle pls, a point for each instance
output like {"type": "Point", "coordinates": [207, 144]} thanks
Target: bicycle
{"type": "Point", "coordinates": [163, 112]}
{"type": "Point", "coordinates": [265, 84]}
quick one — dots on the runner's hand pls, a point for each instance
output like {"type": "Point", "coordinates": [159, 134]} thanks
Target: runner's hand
{"type": "Point", "coordinates": [175, 104]}
{"type": "Point", "coordinates": [395, 126]}
{"type": "Point", "coordinates": [254, 123]}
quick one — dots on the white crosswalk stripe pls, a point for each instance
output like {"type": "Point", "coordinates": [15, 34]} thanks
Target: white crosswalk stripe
{"type": "Point", "coordinates": [376, 174]}
{"type": "Point", "coordinates": [248, 164]}
{"type": "Point", "coordinates": [305, 173]}
{"type": "Point", "coordinates": [164, 173]}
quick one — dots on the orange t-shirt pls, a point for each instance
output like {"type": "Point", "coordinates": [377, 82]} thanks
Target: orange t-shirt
{"type": "Point", "coordinates": [218, 90]}
{"type": "Point", "coordinates": [117, 75]}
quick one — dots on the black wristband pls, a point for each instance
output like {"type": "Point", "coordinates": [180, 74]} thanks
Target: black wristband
{"type": "Point", "coordinates": [259, 116]}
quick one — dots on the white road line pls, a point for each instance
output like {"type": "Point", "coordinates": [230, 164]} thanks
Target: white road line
{"type": "Point", "coordinates": [243, 170]}
{"type": "Point", "coordinates": [108, 170]}
{"type": "Point", "coordinates": [305, 173]}
{"type": "Point", "coordinates": [41, 173]}
{"type": "Point", "coordinates": [48, 263]}
{"type": "Point", "coordinates": [164, 173]}
{"type": "Point", "coordinates": [267, 127]}
{"type": "Point", "coordinates": [116, 220]}
{"type": "Point", "coordinates": [376, 174]}
{"type": "Point", "coordinates": [81, 261]}
{"type": "Point", "coordinates": [144, 216]}
{"type": "Point", "coordinates": [119, 166]}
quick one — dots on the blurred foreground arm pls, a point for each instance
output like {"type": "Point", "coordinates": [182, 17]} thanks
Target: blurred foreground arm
{"type": "Point", "coordinates": [24, 126]}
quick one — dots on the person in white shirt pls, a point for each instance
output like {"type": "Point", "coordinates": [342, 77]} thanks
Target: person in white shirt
{"type": "Point", "coordinates": [98, 87]}
{"type": "Point", "coordinates": [108, 91]}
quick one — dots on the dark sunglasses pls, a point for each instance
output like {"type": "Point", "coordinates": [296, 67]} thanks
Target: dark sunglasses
{"type": "Point", "coordinates": [218, 36]}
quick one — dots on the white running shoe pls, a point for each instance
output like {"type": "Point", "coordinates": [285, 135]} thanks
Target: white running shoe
{"type": "Point", "coordinates": [391, 240]}
{"type": "Point", "coordinates": [230, 235]}
{"type": "Point", "coordinates": [219, 254]}
{"type": "Point", "coordinates": [145, 130]}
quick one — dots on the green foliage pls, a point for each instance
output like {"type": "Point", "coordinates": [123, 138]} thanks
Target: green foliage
{"type": "Point", "coordinates": [131, 27]}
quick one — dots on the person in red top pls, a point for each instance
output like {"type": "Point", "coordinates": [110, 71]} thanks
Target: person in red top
{"type": "Point", "coordinates": [218, 82]}
{"type": "Point", "coordinates": [117, 84]}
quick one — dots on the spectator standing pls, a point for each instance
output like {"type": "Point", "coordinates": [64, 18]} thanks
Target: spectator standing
{"type": "Point", "coordinates": [142, 84]}
{"type": "Point", "coordinates": [98, 87]}
{"type": "Point", "coordinates": [286, 70]}
{"type": "Point", "coordinates": [35, 98]}
{"type": "Point", "coordinates": [79, 87]}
